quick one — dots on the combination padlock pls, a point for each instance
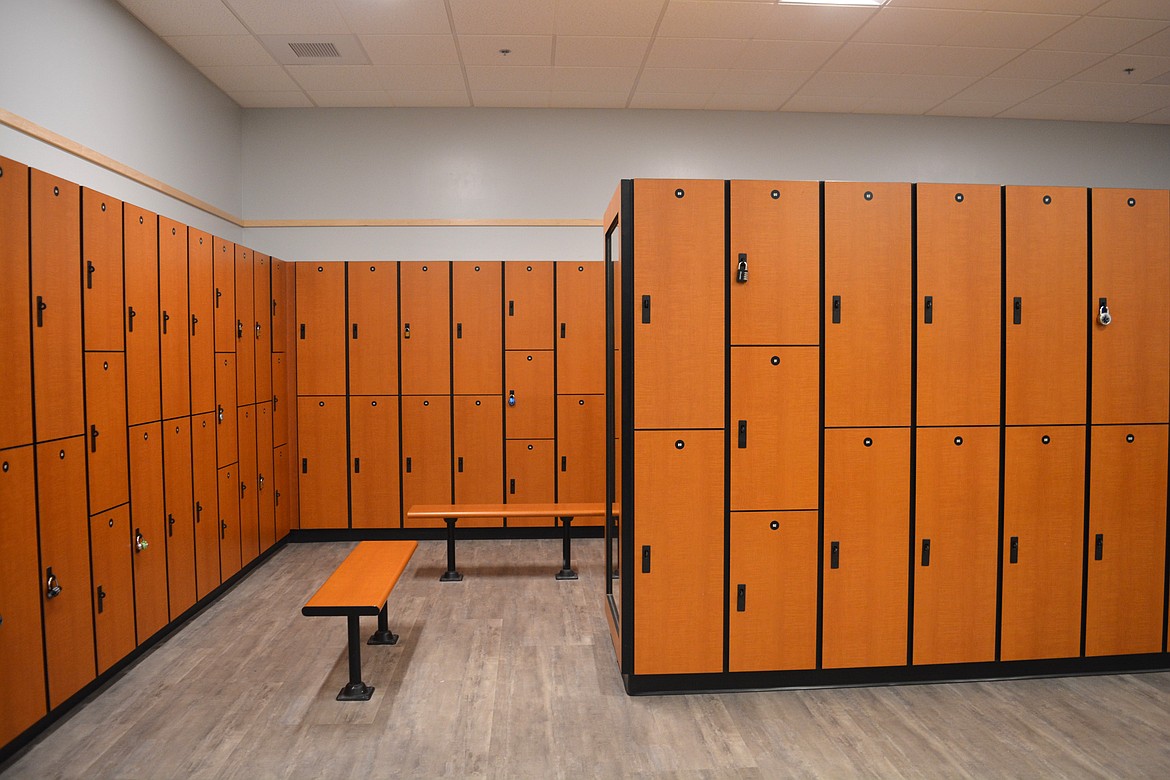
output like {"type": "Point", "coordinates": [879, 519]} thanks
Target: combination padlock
{"type": "Point", "coordinates": [1103, 315]}
{"type": "Point", "coordinates": [741, 273]}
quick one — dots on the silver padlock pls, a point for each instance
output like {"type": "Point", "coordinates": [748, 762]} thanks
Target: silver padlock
{"type": "Point", "coordinates": [741, 274]}
{"type": "Point", "coordinates": [1103, 315]}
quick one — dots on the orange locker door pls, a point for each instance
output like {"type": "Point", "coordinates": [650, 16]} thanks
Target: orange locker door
{"type": "Point", "coordinates": [225, 408]}
{"type": "Point", "coordinates": [477, 350]}
{"type": "Point", "coordinates": [479, 454]}
{"type": "Point", "coordinates": [180, 508]}
{"type": "Point", "coordinates": [773, 596]}
{"type": "Point", "coordinates": [265, 484]}
{"type": "Point", "coordinates": [148, 518]}
{"type": "Point", "coordinates": [775, 262]}
{"type": "Point", "coordinates": [101, 267]}
{"type": "Point", "coordinates": [175, 338]}
{"type": "Point", "coordinates": [279, 399]}
{"type": "Point", "coordinates": [581, 451]}
{"type": "Point", "coordinates": [867, 292]}
{"type": "Point", "coordinates": [229, 522]}
{"type": "Point", "coordinates": [532, 477]}
{"type": "Point", "coordinates": [1046, 260]}
{"type": "Point", "coordinates": [249, 477]}
{"type": "Point", "coordinates": [22, 661]}
{"type": "Point", "coordinates": [105, 410]}
{"type": "Point", "coordinates": [373, 450]}
{"type": "Point", "coordinates": [580, 328]}
{"type": "Point", "coordinates": [867, 533]}
{"type": "Point", "coordinates": [280, 471]}
{"type": "Point", "coordinates": [425, 305]}
{"type": "Point", "coordinates": [65, 568]}
{"type": "Point", "coordinates": [678, 552]}
{"type": "Point", "coordinates": [1127, 540]}
{"type": "Point", "coordinates": [55, 207]}
{"type": "Point", "coordinates": [279, 304]}
{"type": "Point", "coordinates": [1131, 280]}
{"type": "Point", "coordinates": [224, 276]}
{"type": "Point", "coordinates": [320, 313]}
{"type": "Point", "coordinates": [678, 289]}
{"type": "Point", "coordinates": [373, 328]}
{"type": "Point", "coordinates": [956, 545]}
{"type": "Point", "coordinates": [1043, 542]}
{"type": "Point", "coordinates": [426, 455]}
{"type": "Point", "coordinates": [323, 484]}
{"type": "Point", "coordinates": [958, 304]}
{"type": "Point", "coordinates": [16, 379]}
{"type": "Point", "coordinates": [205, 490]}
{"type": "Point", "coordinates": [775, 417]}
{"type": "Point", "coordinates": [113, 585]}
{"type": "Point", "coordinates": [143, 369]}
{"type": "Point", "coordinates": [262, 330]}
{"type": "Point", "coordinates": [528, 305]}
{"type": "Point", "coordinates": [247, 328]}
{"type": "Point", "coordinates": [201, 286]}
{"type": "Point", "coordinates": [530, 395]}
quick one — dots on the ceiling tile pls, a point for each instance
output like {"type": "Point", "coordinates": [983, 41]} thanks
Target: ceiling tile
{"type": "Point", "coordinates": [968, 108]}
{"type": "Point", "coordinates": [786, 55]}
{"type": "Point", "coordinates": [1135, 9]}
{"type": "Point", "coordinates": [875, 58]}
{"type": "Point", "coordinates": [1008, 30]}
{"type": "Point", "coordinates": [623, 17]}
{"type": "Point", "coordinates": [402, 17]}
{"type": "Point", "coordinates": [347, 49]}
{"type": "Point", "coordinates": [913, 25]}
{"type": "Point", "coordinates": [694, 52]}
{"type": "Point", "coordinates": [679, 80]}
{"type": "Point", "coordinates": [509, 78]}
{"type": "Point", "coordinates": [1056, 111]}
{"type": "Point", "coordinates": [206, 50]}
{"type": "Point", "coordinates": [336, 78]}
{"type": "Point", "coordinates": [1144, 97]}
{"type": "Point", "coordinates": [600, 51]}
{"type": "Point", "coordinates": [1035, 64]}
{"type": "Point", "coordinates": [429, 98]}
{"type": "Point", "coordinates": [1155, 45]}
{"type": "Point", "coordinates": [192, 17]}
{"type": "Point", "coordinates": [422, 78]}
{"type": "Point", "coordinates": [1113, 69]}
{"type": "Point", "coordinates": [684, 19]}
{"type": "Point", "coordinates": [289, 17]}
{"type": "Point", "coordinates": [728, 101]}
{"type": "Point", "coordinates": [1009, 91]}
{"type": "Point", "coordinates": [503, 17]}
{"type": "Point", "coordinates": [510, 99]}
{"type": "Point", "coordinates": [523, 49]}
{"type": "Point", "coordinates": [668, 100]}
{"type": "Point", "coordinates": [829, 104]}
{"type": "Point", "coordinates": [410, 49]}
{"type": "Point", "coordinates": [565, 99]}
{"type": "Point", "coordinates": [1073, 7]}
{"type": "Point", "coordinates": [1102, 34]}
{"type": "Point", "coordinates": [365, 99]}
{"type": "Point", "coordinates": [963, 5]}
{"type": "Point", "coordinates": [778, 83]}
{"type": "Point", "coordinates": [1161, 117]}
{"type": "Point", "coordinates": [594, 79]}
{"type": "Point", "coordinates": [897, 106]}
{"type": "Point", "coordinates": [881, 85]}
{"type": "Point", "coordinates": [250, 78]}
{"type": "Point", "coordinates": [270, 99]}
{"type": "Point", "coordinates": [962, 61]}
{"type": "Point", "coordinates": [786, 22]}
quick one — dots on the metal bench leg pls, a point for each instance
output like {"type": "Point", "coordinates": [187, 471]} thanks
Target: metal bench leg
{"type": "Point", "coordinates": [355, 690]}
{"type": "Point", "coordinates": [383, 636]}
{"type": "Point", "coordinates": [566, 572]}
{"type": "Point", "coordinates": [451, 575]}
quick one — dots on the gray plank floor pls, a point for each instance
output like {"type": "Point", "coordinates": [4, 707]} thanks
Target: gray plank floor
{"type": "Point", "coordinates": [512, 674]}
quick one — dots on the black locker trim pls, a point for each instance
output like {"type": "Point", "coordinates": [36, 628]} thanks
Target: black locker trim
{"type": "Point", "coordinates": [500, 389]}
{"type": "Point", "coordinates": [1089, 322]}
{"type": "Point", "coordinates": [1003, 314]}
{"type": "Point", "coordinates": [726, 425]}
{"type": "Point", "coordinates": [610, 430]}
{"type": "Point", "coordinates": [348, 404]}
{"type": "Point", "coordinates": [401, 453]}
{"type": "Point", "coordinates": [451, 374]}
{"type": "Point", "coordinates": [913, 517]}
{"type": "Point", "coordinates": [556, 397]}
{"type": "Point", "coordinates": [821, 446]}
{"type": "Point", "coordinates": [628, 506]}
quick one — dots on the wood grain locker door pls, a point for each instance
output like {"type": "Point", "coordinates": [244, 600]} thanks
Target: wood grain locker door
{"type": "Point", "coordinates": [373, 328]}
{"type": "Point", "coordinates": [113, 585]}
{"type": "Point", "coordinates": [265, 482]}
{"type": "Point", "coordinates": [867, 294]}
{"type": "Point", "coordinates": [581, 328]}
{"type": "Point", "coordinates": [16, 379]}
{"type": "Point", "coordinates": [148, 519]}
{"type": "Point", "coordinates": [426, 455]}
{"type": "Point", "coordinates": [280, 472]}
{"type": "Point", "coordinates": [229, 521]}
{"type": "Point", "coordinates": [532, 478]}
{"type": "Point", "coordinates": [867, 534]}
{"type": "Point", "coordinates": [101, 268]}
{"type": "Point", "coordinates": [175, 338]}
{"type": "Point", "coordinates": [279, 304]}
{"type": "Point", "coordinates": [678, 300]}
{"type": "Point", "coordinates": [262, 315]}
{"type": "Point", "coordinates": [249, 477]}
{"type": "Point", "coordinates": [477, 348]}
{"type": "Point", "coordinates": [226, 435]}
{"type": "Point", "coordinates": [246, 328]}
{"type": "Point", "coordinates": [1043, 542]}
{"type": "Point", "coordinates": [1131, 274]}
{"type": "Point", "coordinates": [373, 451]}
{"type": "Point", "coordinates": [143, 369]}
{"type": "Point", "coordinates": [1127, 540]}
{"type": "Point", "coordinates": [65, 567]}
{"type": "Point", "coordinates": [55, 207]}
{"type": "Point", "coordinates": [958, 317]}
{"type": "Point", "coordinates": [201, 288]}
{"type": "Point", "coordinates": [528, 305]}
{"type": "Point", "coordinates": [205, 489]}
{"type": "Point", "coordinates": [479, 454]}
{"type": "Point", "coordinates": [323, 482]}
{"type": "Point", "coordinates": [581, 452]}
{"type": "Point", "coordinates": [22, 660]}
{"type": "Point", "coordinates": [956, 545]}
{"type": "Point", "coordinates": [529, 395]}
{"type": "Point", "coordinates": [105, 410]}
{"type": "Point", "coordinates": [775, 414]}
{"type": "Point", "coordinates": [1046, 260]}
{"type": "Point", "coordinates": [180, 509]}
{"type": "Point", "coordinates": [224, 275]}
{"type": "Point", "coordinates": [773, 596]}
{"type": "Point", "coordinates": [280, 404]}
{"type": "Point", "coordinates": [678, 552]}
{"type": "Point", "coordinates": [775, 225]}
{"type": "Point", "coordinates": [320, 314]}
{"type": "Point", "coordinates": [425, 305]}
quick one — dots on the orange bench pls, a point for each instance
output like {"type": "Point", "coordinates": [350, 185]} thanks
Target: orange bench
{"type": "Point", "coordinates": [361, 585]}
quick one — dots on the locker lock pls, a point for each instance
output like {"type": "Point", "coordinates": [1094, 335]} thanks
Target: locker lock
{"type": "Point", "coordinates": [140, 544]}
{"type": "Point", "coordinates": [741, 273]}
{"type": "Point", "coordinates": [1103, 315]}
{"type": "Point", "coordinates": [511, 398]}
{"type": "Point", "coordinates": [52, 587]}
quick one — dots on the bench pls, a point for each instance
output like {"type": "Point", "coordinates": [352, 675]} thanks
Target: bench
{"type": "Point", "coordinates": [451, 513]}
{"type": "Point", "coordinates": [361, 585]}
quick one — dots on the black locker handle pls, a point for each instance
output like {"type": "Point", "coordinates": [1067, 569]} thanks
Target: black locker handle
{"type": "Point", "coordinates": [460, 465]}
{"type": "Point", "coordinates": [408, 465]}
{"type": "Point", "coordinates": [273, 315]}
{"type": "Point", "coordinates": [512, 487]}
{"type": "Point", "coordinates": [645, 559]}
{"type": "Point", "coordinates": [355, 330]}
{"type": "Point", "coordinates": [1014, 550]}
{"type": "Point", "coordinates": [302, 331]}
{"type": "Point", "coordinates": [243, 489]}
{"type": "Point", "coordinates": [223, 529]}
{"type": "Point", "coordinates": [741, 598]}
{"type": "Point", "coordinates": [645, 309]}
{"type": "Point", "coordinates": [743, 434]}
{"type": "Point", "coordinates": [928, 310]}
{"type": "Point", "coordinates": [170, 524]}
{"type": "Point", "coordinates": [194, 322]}
{"type": "Point", "coordinates": [239, 329]}
{"type": "Point", "coordinates": [304, 465]}
{"type": "Point", "coordinates": [41, 306]}
{"type": "Point", "coordinates": [166, 319]}
{"type": "Point", "coordinates": [89, 269]}
{"type": "Point", "coordinates": [198, 510]}
{"type": "Point", "coordinates": [562, 330]}
{"type": "Point", "coordinates": [218, 294]}
{"type": "Point", "coordinates": [834, 555]}
{"type": "Point", "coordinates": [925, 552]}
{"type": "Point", "coordinates": [1099, 548]}
{"type": "Point", "coordinates": [836, 309]}
{"type": "Point", "coordinates": [564, 459]}
{"type": "Point", "coordinates": [132, 315]}
{"type": "Point", "coordinates": [93, 434]}
{"type": "Point", "coordinates": [357, 465]}
{"type": "Point", "coordinates": [101, 599]}
{"type": "Point", "coordinates": [458, 330]}
{"type": "Point", "coordinates": [511, 308]}
{"type": "Point", "coordinates": [1017, 310]}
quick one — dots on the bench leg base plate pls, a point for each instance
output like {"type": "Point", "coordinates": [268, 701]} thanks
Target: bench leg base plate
{"type": "Point", "coordinates": [357, 691]}
{"type": "Point", "coordinates": [381, 637]}
{"type": "Point", "coordinates": [451, 576]}
{"type": "Point", "coordinates": [566, 574]}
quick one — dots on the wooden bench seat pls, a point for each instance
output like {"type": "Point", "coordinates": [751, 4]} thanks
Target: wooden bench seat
{"type": "Point", "coordinates": [361, 585]}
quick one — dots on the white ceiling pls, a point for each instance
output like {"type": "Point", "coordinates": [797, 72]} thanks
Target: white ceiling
{"type": "Point", "coordinates": [1095, 60]}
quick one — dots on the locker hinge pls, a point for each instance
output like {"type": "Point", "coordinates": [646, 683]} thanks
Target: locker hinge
{"type": "Point", "coordinates": [928, 310]}
{"type": "Point", "coordinates": [645, 559]}
{"type": "Point", "coordinates": [741, 598]}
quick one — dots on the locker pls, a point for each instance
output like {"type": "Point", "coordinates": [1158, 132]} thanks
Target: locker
{"type": "Point", "coordinates": [55, 207]}
{"type": "Point", "coordinates": [148, 519]}
{"type": "Point", "coordinates": [113, 585]}
{"type": "Point", "coordinates": [678, 551]}
{"type": "Point", "coordinates": [373, 326]}
{"type": "Point", "coordinates": [180, 511]}
{"type": "Point", "coordinates": [867, 524]}
{"type": "Point", "coordinates": [477, 355]}
{"type": "Point", "coordinates": [959, 290]}
{"type": "Point", "coordinates": [373, 445]}
{"type": "Point", "coordinates": [1046, 247]}
{"type": "Point", "coordinates": [678, 289]}
{"type": "Point", "coordinates": [249, 478]}
{"type": "Point", "coordinates": [775, 413]}
{"type": "Point", "coordinates": [775, 233]}
{"type": "Point", "coordinates": [323, 483]}
{"type": "Point", "coordinates": [532, 478]}
{"type": "Point", "coordinates": [425, 344]}
{"type": "Point", "coordinates": [105, 410]}
{"type": "Point", "coordinates": [22, 662]}
{"type": "Point", "coordinates": [956, 545]}
{"type": "Point", "coordinates": [1127, 539]}
{"type": "Point", "coordinates": [265, 484]}
{"type": "Point", "coordinates": [280, 471]}
{"type": "Point", "coordinates": [65, 567]}
{"type": "Point", "coordinates": [479, 454]}
{"type": "Point", "coordinates": [16, 379]}
{"type": "Point", "coordinates": [528, 305]}
{"type": "Point", "coordinates": [143, 370]}
{"type": "Point", "coordinates": [229, 522]}
{"type": "Point", "coordinates": [426, 454]}
{"type": "Point", "coordinates": [202, 326]}
{"type": "Point", "coordinates": [581, 328]}
{"type": "Point", "coordinates": [262, 315]}
{"type": "Point", "coordinates": [175, 335]}
{"type": "Point", "coordinates": [279, 305]}
{"type": "Point", "coordinates": [320, 313]}
{"type": "Point", "coordinates": [247, 328]}
{"type": "Point", "coordinates": [1131, 276]}
{"type": "Point", "coordinates": [280, 404]}
{"type": "Point", "coordinates": [224, 276]}
{"type": "Point", "coordinates": [1043, 542]}
{"type": "Point", "coordinates": [773, 596]}
{"type": "Point", "coordinates": [867, 291]}
{"type": "Point", "coordinates": [101, 268]}
{"type": "Point", "coordinates": [581, 451]}
{"type": "Point", "coordinates": [529, 395]}
{"type": "Point", "coordinates": [225, 408]}
{"type": "Point", "coordinates": [205, 491]}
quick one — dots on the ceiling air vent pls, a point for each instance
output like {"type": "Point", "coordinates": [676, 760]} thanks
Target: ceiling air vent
{"type": "Point", "coordinates": [315, 49]}
{"type": "Point", "coordinates": [320, 50]}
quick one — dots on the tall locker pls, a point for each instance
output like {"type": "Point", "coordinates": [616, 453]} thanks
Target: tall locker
{"type": "Point", "coordinates": [323, 483]}
{"type": "Point", "coordinates": [479, 454]}
{"type": "Point", "coordinates": [225, 408]}
{"type": "Point", "coordinates": [279, 305]}
{"type": "Point", "coordinates": [281, 477]}
{"type": "Point", "coordinates": [528, 305]}
{"type": "Point", "coordinates": [180, 509]}
{"type": "Point", "coordinates": [205, 490]}
{"type": "Point", "coordinates": [373, 328]}
{"type": "Point", "coordinates": [373, 450]}
{"type": "Point", "coordinates": [249, 476]}
{"type": "Point", "coordinates": [229, 522]}
{"type": "Point", "coordinates": [143, 370]}
{"type": "Point", "coordinates": [175, 338]}
{"type": "Point", "coordinates": [265, 484]}
{"type": "Point", "coordinates": [581, 328]}
{"type": "Point", "coordinates": [113, 585]}
{"type": "Point", "coordinates": [320, 313]}
{"type": "Point", "coordinates": [477, 349]}
{"type": "Point", "coordinates": [101, 266]}
{"type": "Point", "coordinates": [425, 344]}
{"type": "Point", "coordinates": [16, 379]}
{"type": "Point", "coordinates": [201, 284]}
{"type": "Point", "coordinates": [581, 451]}
{"type": "Point", "coordinates": [426, 454]}
{"type": "Point", "coordinates": [247, 328]}
{"type": "Point", "coordinates": [148, 518]}
{"type": "Point", "coordinates": [532, 477]}
{"type": "Point", "coordinates": [529, 395]}
{"type": "Point", "coordinates": [224, 276]}
{"type": "Point", "coordinates": [105, 410]}
{"type": "Point", "coordinates": [280, 399]}
{"type": "Point", "coordinates": [262, 314]}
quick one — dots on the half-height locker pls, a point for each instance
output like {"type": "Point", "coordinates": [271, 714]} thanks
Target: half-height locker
{"type": "Point", "coordinates": [323, 480]}
{"type": "Point", "coordinates": [201, 290]}
{"type": "Point", "coordinates": [479, 453]}
{"type": "Point", "coordinates": [581, 451]}
{"type": "Point", "coordinates": [224, 275]}
{"type": "Point", "coordinates": [143, 370]}
{"type": "Point", "coordinates": [226, 434]}
{"type": "Point", "coordinates": [426, 453]}
{"type": "Point", "coordinates": [247, 327]}
{"type": "Point", "coordinates": [373, 322]}
{"type": "Point", "coordinates": [262, 329]}
{"type": "Point", "coordinates": [425, 337]}
{"type": "Point", "coordinates": [265, 484]}
{"type": "Point", "coordinates": [477, 341]}
{"type": "Point", "coordinates": [105, 411]}
{"type": "Point", "coordinates": [101, 267]}
{"type": "Point", "coordinates": [321, 328]}
{"type": "Point", "coordinates": [529, 395]}
{"type": "Point", "coordinates": [580, 342]}
{"type": "Point", "coordinates": [175, 333]}
{"type": "Point", "coordinates": [180, 511]}
{"type": "Point", "coordinates": [113, 585]}
{"type": "Point", "coordinates": [148, 519]}
{"type": "Point", "coordinates": [373, 465]}
{"type": "Point", "coordinates": [205, 490]}
{"type": "Point", "coordinates": [531, 477]}
{"type": "Point", "coordinates": [16, 379]}
{"type": "Point", "coordinates": [528, 306]}
{"type": "Point", "coordinates": [229, 521]}
{"type": "Point", "coordinates": [249, 477]}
